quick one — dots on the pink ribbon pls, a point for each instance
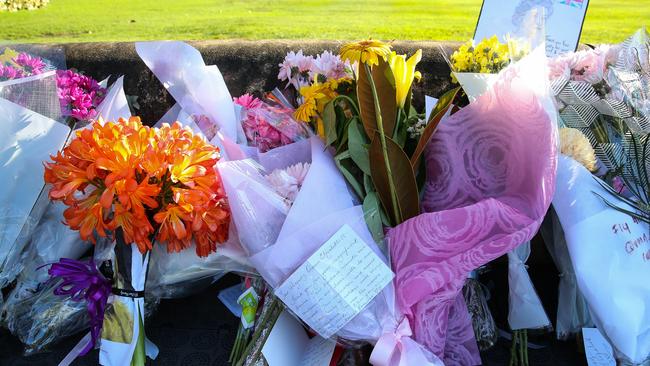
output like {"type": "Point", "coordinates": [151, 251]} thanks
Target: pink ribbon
{"type": "Point", "coordinates": [397, 348]}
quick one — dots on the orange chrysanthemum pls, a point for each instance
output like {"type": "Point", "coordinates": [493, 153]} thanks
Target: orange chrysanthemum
{"type": "Point", "coordinates": [145, 181]}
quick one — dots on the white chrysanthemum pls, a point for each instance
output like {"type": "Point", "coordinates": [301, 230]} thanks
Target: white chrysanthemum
{"type": "Point", "coordinates": [287, 182]}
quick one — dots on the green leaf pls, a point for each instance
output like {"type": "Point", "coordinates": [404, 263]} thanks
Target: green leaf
{"type": "Point", "coordinates": [386, 94]}
{"type": "Point", "coordinates": [406, 189]}
{"type": "Point", "coordinates": [439, 111]}
{"type": "Point", "coordinates": [338, 159]}
{"type": "Point", "coordinates": [329, 123]}
{"type": "Point", "coordinates": [357, 146]}
{"type": "Point", "coordinates": [367, 183]}
{"type": "Point", "coordinates": [372, 214]}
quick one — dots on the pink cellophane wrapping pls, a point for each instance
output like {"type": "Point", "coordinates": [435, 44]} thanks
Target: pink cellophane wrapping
{"type": "Point", "coordinates": [490, 180]}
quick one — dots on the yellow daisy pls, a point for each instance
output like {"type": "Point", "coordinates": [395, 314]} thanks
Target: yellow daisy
{"type": "Point", "coordinates": [367, 52]}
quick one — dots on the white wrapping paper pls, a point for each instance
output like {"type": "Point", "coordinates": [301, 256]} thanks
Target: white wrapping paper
{"type": "Point", "coordinates": [525, 310]}
{"type": "Point", "coordinates": [611, 257]}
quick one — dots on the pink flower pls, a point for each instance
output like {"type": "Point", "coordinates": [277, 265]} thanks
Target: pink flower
{"type": "Point", "coordinates": [287, 182]}
{"type": "Point", "coordinates": [295, 69]}
{"type": "Point", "coordinates": [559, 67]}
{"type": "Point", "coordinates": [9, 73]}
{"type": "Point", "coordinates": [329, 65]}
{"type": "Point", "coordinates": [590, 66]}
{"type": "Point", "coordinates": [248, 101]}
{"type": "Point", "coordinates": [265, 126]}
{"type": "Point", "coordinates": [31, 65]}
{"type": "Point", "coordinates": [79, 95]}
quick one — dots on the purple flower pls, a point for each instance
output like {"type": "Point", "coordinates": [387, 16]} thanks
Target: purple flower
{"type": "Point", "coordinates": [9, 73]}
{"type": "Point", "coordinates": [79, 95]}
{"type": "Point", "coordinates": [31, 65]}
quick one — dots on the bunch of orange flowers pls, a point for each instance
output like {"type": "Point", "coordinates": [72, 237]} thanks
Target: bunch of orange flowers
{"type": "Point", "coordinates": [149, 182]}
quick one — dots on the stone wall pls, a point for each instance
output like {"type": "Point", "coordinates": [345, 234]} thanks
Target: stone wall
{"type": "Point", "coordinates": [247, 66]}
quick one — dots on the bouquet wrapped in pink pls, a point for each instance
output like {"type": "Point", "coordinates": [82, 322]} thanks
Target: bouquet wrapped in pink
{"type": "Point", "coordinates": [490, 179]}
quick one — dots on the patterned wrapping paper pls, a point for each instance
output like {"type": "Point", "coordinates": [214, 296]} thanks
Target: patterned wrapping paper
{"type": "Point", "coordinates": [490, 179]}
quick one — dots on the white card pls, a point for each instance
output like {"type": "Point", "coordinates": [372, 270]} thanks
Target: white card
{"type": "Point", "coordinates": [289, 345]}
{"type": "Point", "coordinates": [597, 349]}
{"type": "Point", "coordinates": [563, 21]}
{"type": "Point", "coordinates": [229, 298]}
{"type": "Point", "coordinates": [335, 283]}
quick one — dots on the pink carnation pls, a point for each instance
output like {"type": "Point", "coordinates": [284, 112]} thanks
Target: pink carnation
{"type": "Point", "coordinates": [248, 101]}
{"type": "Point", "coordinates": [79, 95]}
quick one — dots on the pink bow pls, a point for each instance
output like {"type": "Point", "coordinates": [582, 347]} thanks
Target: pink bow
{"type": "Point", "coordinates": [397, 348]}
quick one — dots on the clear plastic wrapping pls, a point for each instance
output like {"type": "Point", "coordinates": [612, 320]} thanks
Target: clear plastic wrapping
{"type": "Point", "coordinates": [485, 329]}
{"type": "Point", "coordinates": [27, 138]}
{"type": "Point", "coordinates": [572, 310]}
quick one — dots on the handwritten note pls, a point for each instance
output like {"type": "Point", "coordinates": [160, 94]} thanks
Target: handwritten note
{"type": "Point", "coordinates": [335, 283]}
{"type": "Point", "coordinates": [289, 345]}
{"type": "Point", "coordinates": [597, 349]}
{"type": "Point", "coordinates": [561, 21]}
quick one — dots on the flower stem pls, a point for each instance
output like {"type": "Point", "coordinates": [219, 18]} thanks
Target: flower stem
{"type": "Point", "coordinates": [382, 138]}
{"type": "Point", "coordinates": [139, 356]}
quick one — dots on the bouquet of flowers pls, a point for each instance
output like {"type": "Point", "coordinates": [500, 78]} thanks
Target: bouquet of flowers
{"type": "Point", "coordinates": [601, 95]}
{"type": "Point", "coordinates": [27, 311]}
{"type": "Point", "coordinates": [33, 84]}
{"type": "Point", "coordinates": [475, 65]}
{"type": "Point", "coordinates": [310, 226]}
{"type": "Point", "coordinates": [269, 125]}
{"type": "Point", "coordinates": [143, 185]}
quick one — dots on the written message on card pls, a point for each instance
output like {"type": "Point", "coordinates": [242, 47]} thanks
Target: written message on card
{"type": "Point", "coordinates": [335, 283]}
{"type": "Point", "coordinates": [561, 20]}
{"type": "Point", "coordinates": [597, 349]}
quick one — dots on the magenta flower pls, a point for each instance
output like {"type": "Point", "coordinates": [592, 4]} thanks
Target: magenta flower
{"type": "Point", "coordinates": [31, 65]}
{"type": "Point", "coordinates": [79, 95]}
{"type": "Point", "coordinates": [9, 73]}
{"type": "Point", "coordinates": [265, 126]}
{"type": "Point", "coordinates": [248, 101]}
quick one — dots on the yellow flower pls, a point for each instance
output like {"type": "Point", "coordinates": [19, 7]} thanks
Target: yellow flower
{"type": "Point", "coordinates": [404, 73]}
{"type": "Point", "coordinates": [575, 144]}
{"type": "Point", "coordinates": [315, 97]}
{"type": "Point", "coordinates": [8, 56]}
{"type": "Point", "coordinates": [367, 52]}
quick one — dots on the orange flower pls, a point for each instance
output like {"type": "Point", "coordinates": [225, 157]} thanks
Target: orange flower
{"type": "Point", "coordinates": [145, 181]}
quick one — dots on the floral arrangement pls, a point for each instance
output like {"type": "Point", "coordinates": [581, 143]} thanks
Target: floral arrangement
{"type": "Point", "coordinates": [299, 70]}
{"type": "Point", "coordinates": [147, 182]}
{"type": "Point", "coordinates": [268, 126]}
{"type": "Point", "coordinates": [368, 119]}
{"type": "Point", "coordinates": [79, 95]}
{"type": "Point", "coordinates": [14, 65]}
{"type": "Point", "coordinates": [487, 57]}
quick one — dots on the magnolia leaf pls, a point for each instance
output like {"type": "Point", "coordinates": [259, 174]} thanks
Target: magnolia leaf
{"type": "Point", "coordinates": [439, 111]}
{"type": "Point", "coordinates": [329, 123]}
{"type": "Point", "coordinates": [386, 94]}
{"type": "Point", "coordinates": [367, 183]}
{"type": "Point", "coordinates": [372, 214]}
{"type": "Point", "coordinates": [358, 146]}
{"type": "Point", "coordinates": [338, 159]}
{"type": "Point", "coordinates": [406, 189]}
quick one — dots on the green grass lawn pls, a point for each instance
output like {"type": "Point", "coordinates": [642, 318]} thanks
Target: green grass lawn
{"type": "Point", "coordinates": [129, 20]}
